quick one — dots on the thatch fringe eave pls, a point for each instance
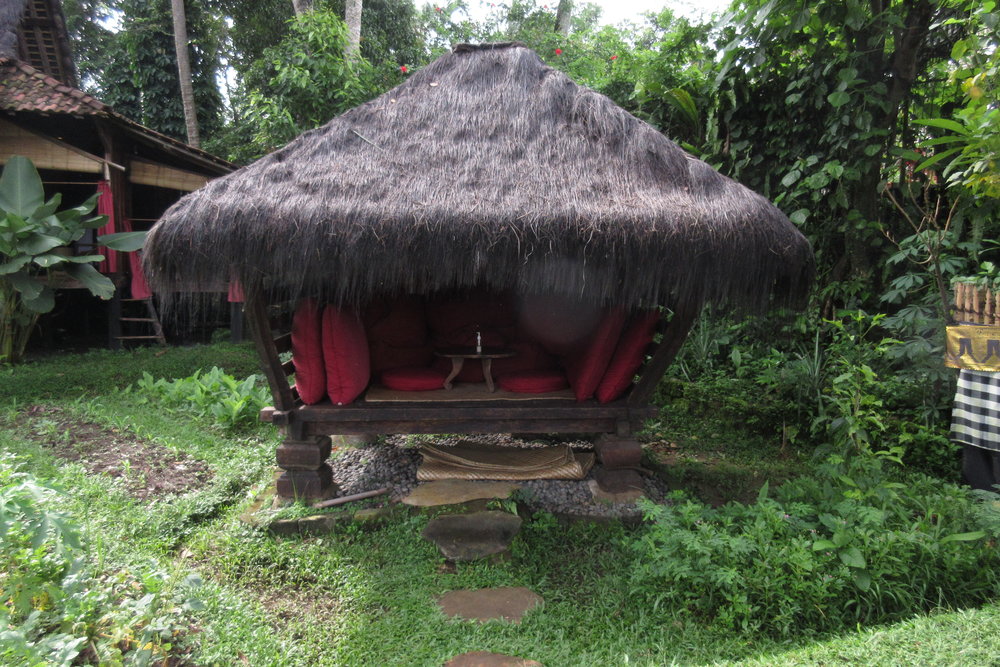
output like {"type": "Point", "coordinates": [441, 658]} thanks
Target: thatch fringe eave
{"type": "Point", "coordinates": [485, 169]}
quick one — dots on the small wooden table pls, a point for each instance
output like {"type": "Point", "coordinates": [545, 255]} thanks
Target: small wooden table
{"type": "Point", "coordinates": [458, 355]}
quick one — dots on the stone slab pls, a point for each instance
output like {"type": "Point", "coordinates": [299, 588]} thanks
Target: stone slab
{"type": "Point", "coordinates": [455, 491]}
{"type": "Point", "coordinates": [611, 497]}
{"type": "Point", "coordinates": [487, 659]}
{"type": "Point", "coordinates": [465, 537]}
{"type": "Point", "coordinates": [509, 603]}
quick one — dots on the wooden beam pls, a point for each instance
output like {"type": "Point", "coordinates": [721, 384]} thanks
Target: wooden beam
{"type": "Point", "coordinates": [484, 410]}
{"type": "Point", "coordinates": [673, 338]}
{"type": "Point", "coordinates": [144, 135]}
{"type": "Point", "coordinates": [363, 418]}
{"type": "Point", "coordinates": [512, 425]}
{"type": "Point", "coordinates": [270, 363]}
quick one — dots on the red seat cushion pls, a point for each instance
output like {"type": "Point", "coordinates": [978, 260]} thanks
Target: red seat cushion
{"type": "Point", "coordinates": [399, 323]}
{"type": "Point", "coordinates": [345, 354]}
{"type": "Point", "coordinates": [414, 379]}
{"type": "Point", "coordinates": [586, 369]}
{"type": "Point", "coordinates": [447, 313]}
{"type": "Point", "coordinates": [628, 356]}
{"type": "Point", "coordinates": [307, 352]}
{"type": "Point", "coordinates": [385, 356]}
{"type": "Point", "coordinates": [533, 382]}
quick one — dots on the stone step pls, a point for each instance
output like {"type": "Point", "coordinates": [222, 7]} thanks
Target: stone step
{"type": "Point", "coordinates": [508, 603]}
{"type": "Point", "coordinates": [487, 659]}
{"type": "Point", "coordinates": [465, 537]}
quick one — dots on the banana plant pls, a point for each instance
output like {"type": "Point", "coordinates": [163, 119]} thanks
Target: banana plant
{"type": "Point", "coordinates": [32, 231]}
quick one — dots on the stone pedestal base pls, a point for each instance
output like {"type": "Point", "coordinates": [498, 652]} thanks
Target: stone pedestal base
{"type": "Point", "coordinates": [620, 459]}
{"type": "Point", "coordinates": [307, 484]}
{"type": "Point", "coordinates": [307, 475]}
{"type": "Point", "coordinates": [618, 480]}
{"type": "Point", "coordinates": [617, 452]}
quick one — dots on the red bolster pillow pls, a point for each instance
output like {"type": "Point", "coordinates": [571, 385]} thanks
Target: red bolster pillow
{"type": "Point", "coordinates": [628, 357]}
{"type": "Point", "coordinates": [345, 354]}
{"type": "Point", "coordinates": [307, 352]}
{"type": "Point", "coordinates": [586, 369]}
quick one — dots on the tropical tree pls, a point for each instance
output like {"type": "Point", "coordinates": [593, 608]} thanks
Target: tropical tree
{"type": "Point", "coordinates": [292, 102]}
{"type": "Point", "coordinates": [564, 13]}
{"type": "Point", "coordinates": [811, 105]}
{"type": "Point", "coordinates": [352, 16]}
{"type": "Point", "coordinates": [133, 66]}
{"type": "Point", "coordinates": [184, 71]}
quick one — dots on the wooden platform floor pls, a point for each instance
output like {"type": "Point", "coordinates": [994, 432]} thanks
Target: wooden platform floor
{"type": "Point", "coordinates": [460, 392]}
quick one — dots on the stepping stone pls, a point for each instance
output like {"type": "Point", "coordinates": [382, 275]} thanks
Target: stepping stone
{"type": "Point", "coordinates": [455, 491]}
{"type": "Point", "coordinates": [610, 497]}
{"type": "Point", "coordinates": [486, 659]}
{"type": "Point", "coordinates": [488, 604]}
{"type": "Point", "coordinates": [464, 537]}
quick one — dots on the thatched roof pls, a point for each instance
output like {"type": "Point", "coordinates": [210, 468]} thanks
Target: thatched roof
{"type": "Point", "coordinates": [486, 168]}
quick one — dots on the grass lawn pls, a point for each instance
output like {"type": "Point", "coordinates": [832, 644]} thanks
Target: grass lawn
{"type": "Point", "coordinates": [365, 595]}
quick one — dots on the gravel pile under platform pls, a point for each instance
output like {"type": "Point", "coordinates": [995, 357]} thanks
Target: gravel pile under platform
{"type": "Point", "coordinates": [393, 463]}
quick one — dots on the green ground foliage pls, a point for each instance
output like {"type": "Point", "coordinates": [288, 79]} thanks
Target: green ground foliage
{"type": "Point", "coordinates": [816, 518]}
{"type": "Point", "coordinates": [805, 571]}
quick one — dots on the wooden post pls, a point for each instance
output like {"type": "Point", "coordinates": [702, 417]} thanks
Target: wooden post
{"type": "Point", "coordinates": [270, 363]}
{"type": "Point", "coordinates": [236, 323]}
{"type": "Point", "coordinates": [115, 320]}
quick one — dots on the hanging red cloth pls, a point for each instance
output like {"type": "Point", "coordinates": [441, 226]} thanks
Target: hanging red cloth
{"type": "Point", "coordinates": [140, 287]}
{"type": "Point", "coordinates": [106, 206]}
{"type": "Point", "coordinates": [235, 291]}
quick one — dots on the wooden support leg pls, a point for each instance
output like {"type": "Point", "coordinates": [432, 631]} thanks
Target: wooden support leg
{"type": "Point", "coordinates": [307, 475]}
{"type": "Point", "coordinates": [620, 458]}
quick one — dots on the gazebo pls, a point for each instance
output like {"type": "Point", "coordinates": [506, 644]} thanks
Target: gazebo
{"type": "Point", "coordinates": [487, 209]}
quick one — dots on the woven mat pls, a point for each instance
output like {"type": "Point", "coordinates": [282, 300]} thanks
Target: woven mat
{"type": "Point", "coordinates": [479, 462]}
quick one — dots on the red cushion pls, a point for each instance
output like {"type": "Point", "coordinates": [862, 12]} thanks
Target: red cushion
{"type": "Point", "coordinates": [466, 336]}
{"type": "Point", "coordinates": [307, 352]}
{"type": "Point", "coordinates": [385, 356]}
{"type": "Point", "coordinates": [628, 356]}
{"type": "Point", "coordinates": [530, 357]}
{"type": "Point", "coordinates": [586, 369]}
{"type": "Point", "coordinates": [414, 379]}
{"type": "Point", "coordinates": [345, 354]}
{"type": "Point", "coordinates": [562, 325]}
{"type": "Point", "coordinates": [400, 323]}
{"type": "Point", "coordinates": [448, 313]}
{"type": "Point", "coordinates": [533, 382]}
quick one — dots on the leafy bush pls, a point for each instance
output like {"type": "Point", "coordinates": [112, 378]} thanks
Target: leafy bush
{"type": "Point", "coordinates": [214, 395]}
{"type": "Point", "coordinates": [844, 546]}
{"type": "Point", "coordinates": [58, 610]}
{"type": "Point", "coordinates": [97, 371]}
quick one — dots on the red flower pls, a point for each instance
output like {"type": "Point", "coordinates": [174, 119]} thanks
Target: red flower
{"type": "Point", "coordinates": [402, 68]}
{"type": "Point", "coordinates": [558, 52]}
{"type": "Point", "coordinates": [614, 57]}
{"type": "Point", "coordinates": [437, 9]}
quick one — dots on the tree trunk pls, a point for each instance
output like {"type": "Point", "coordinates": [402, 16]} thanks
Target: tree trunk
{"type": "Point", "coordinates": [563, 15]}
{"type": "Point", "coordinates": [302, 6]}
{"type": "Point", "coordinates": [184, 71]}
{"type": "Point", "coordinates": [352, 15]}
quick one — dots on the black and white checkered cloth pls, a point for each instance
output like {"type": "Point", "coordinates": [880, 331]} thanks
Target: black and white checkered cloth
{"type": "Point", "coordinates": [975, 415]}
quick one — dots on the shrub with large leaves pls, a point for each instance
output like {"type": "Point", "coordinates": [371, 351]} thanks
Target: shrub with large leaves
{"type": "Point", "coordinates": [32, 233]}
